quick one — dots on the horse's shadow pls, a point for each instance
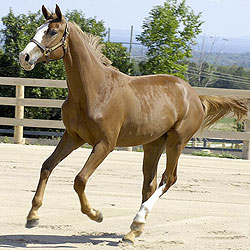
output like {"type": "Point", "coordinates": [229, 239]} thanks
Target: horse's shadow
{"type": "Point", "coordinates": [57, 241]}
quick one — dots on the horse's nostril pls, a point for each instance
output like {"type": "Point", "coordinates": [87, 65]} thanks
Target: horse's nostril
{"type": "Point", "coordinates": [27, 57]}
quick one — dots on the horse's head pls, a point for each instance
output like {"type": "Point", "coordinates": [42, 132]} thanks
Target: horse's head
{"type": "Point", "coordinates": [49, 42]}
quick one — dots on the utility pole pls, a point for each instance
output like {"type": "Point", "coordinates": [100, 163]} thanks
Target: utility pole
{"type": "Point", "coordinates": [108, 34]}
{"type": "Point", "coordinates": [131, 41]}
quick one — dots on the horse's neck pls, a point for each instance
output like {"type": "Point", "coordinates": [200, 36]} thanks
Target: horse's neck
{"type": "Point", "coordinates": [84, 71]}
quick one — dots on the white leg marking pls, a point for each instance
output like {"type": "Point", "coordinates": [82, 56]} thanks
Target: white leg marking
{"type": "Point", "coordinates": [147, 206]}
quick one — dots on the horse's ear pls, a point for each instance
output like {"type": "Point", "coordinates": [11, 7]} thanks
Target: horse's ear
{"type": "Point", "coordinates": [46, 13]}
{"type": "Point", "coordinates": [58, 13]}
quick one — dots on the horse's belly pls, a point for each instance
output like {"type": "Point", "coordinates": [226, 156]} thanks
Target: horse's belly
{"type": "Point", "coordinates": [143, 132]}
{"type": "Point", "coordinates": [136, 140]}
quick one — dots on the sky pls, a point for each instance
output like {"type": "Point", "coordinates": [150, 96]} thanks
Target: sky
{"type": "Point", "coordinates": [223, 18]}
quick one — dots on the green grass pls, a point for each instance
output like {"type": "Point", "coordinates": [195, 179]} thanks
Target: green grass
{"type": "Point", "coordinates": [228, 124]}
{"type": "Point", "coordinates": [223, 155]}
{"type": "Point", "coordinates": [5, 140]}
{"type": "Point", "coordinates": [225, 124]}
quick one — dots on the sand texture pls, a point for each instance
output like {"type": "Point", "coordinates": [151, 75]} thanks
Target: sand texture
{"type": "Point", "coordinates": [208, 207]}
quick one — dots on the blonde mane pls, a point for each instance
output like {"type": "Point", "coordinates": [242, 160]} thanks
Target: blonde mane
{"type": "Point", "coordinates": [94, 44]}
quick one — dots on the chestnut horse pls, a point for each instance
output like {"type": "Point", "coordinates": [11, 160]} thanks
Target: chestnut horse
{"type": "Point", "coordinates": [106, 108]}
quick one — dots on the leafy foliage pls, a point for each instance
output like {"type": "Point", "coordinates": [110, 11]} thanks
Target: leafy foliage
{"type": "Point", "coordinates": [229, 77]}
{"type": "Point", "coordinates": [227, 59]}
{"type": "Point", "coordinates": [89, 25]}
{"type": "Point", "coordinates": [119, 56]}
{"type": "Point", "coordinates": [20, 29]}
{"type": "Point", "coordinates": [17, 31]}
{"type": "Point", "coordinates": [169, 34]}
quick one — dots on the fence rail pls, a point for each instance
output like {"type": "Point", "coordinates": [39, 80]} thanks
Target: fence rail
{"type": "Point", "coordinates": [20, 102]}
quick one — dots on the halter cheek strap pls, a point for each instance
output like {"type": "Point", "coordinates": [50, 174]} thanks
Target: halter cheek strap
{"type": "Point", "coordinates": [47, 51]}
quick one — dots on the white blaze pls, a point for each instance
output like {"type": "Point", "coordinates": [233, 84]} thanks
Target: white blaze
{"type": "Point", "coordinates": [31, 46]}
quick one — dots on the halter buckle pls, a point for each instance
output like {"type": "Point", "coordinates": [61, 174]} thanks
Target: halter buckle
{"type": "Point", "coordinates": [46, 52]}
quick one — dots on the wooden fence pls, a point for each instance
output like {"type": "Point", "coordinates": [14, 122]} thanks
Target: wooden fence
{"type": "Point", "coordinates": [20, 102]}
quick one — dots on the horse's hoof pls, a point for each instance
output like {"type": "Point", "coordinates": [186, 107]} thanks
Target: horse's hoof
{"type": "Point", "coordinates": [99, 218]}
{"type": "Point", "coordinates": [32, 223]}
{"type": "Point", "coordinates": [126, 240]}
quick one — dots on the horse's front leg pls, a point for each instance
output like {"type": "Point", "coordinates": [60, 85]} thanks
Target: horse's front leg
{"type": "Point", "coordinates": [66, 145]}
{"type": "Point", "coordinates": [98, 154]}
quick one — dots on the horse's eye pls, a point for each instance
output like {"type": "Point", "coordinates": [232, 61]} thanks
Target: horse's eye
{"type": "Point", "coordinates": [52, 32]}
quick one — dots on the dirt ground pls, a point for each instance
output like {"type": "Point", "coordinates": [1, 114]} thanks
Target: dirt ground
{"type": "Point", "coordinates": [208, 208]}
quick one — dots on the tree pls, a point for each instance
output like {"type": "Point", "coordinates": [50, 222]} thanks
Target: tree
{"type": "Point", "coordinates": [227, 77]}
{"type": "Point", "coordinates": [206, 59]}
{"type": "Point", "coordinates": [17, 31]}
{"type": "Point", "coordinates": [116, 53]}
{"type": "Point", "coordinates": [14, 36]}
{"type": "Point", "coordinates": [201, 74]}
{"type": "Point", "coordinates": [169, 33]}
{"type": "Point", "coordinates": [119, 57]}
{"type": "Point", "coordinates": [20, 29]}
{"type": "Point", "coordinates": [89, 25]}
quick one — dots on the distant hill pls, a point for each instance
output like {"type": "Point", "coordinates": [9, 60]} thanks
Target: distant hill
{"type": "Point", "coordinates": [226, 59]}
{"type": "Point", "coordinates": [222, 44]}
{"type": "Point", "coordinates": [222, 51]}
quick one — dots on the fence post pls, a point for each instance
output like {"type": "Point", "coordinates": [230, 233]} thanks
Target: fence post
{"type": "Point", "coordinates": [130, 149]}
{"type": "Point", "coordinates": [246, 144]}
{"type": "Point", "coordinates": [19, 113]}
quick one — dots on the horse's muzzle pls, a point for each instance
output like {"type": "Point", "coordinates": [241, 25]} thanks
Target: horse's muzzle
{"type": "Point", "coordinates": [24, 59]}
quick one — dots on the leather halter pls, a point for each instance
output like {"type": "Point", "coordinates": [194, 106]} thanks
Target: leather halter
{"type": "Point", "coordinates": [47, 51]}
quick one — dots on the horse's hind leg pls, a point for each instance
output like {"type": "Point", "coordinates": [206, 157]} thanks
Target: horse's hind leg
{"type": "Point", "coordinates": [66, 145]}
{"type": "Point", "coordinates": [152, 154]}
{"type": "Point", "coordinates": [176, 141]}
{"type": "Point", "coordinates": [175, 144]}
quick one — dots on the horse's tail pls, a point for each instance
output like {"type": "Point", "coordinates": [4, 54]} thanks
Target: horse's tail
{"type": "Point", "coordinates": [217, 107]}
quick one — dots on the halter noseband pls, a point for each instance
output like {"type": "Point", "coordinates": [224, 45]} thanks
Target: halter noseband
{"type": "Point", "coordinates": [47, 51]}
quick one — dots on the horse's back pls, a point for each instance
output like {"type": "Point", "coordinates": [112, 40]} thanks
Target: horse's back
{"type": "Point", "coordinates": [162, 92]}
{"type": "Point", "coordinates": [154, 104]}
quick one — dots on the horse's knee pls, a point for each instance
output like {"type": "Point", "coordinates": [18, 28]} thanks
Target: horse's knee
{"type": "Point", "coordinates": [80, 183]}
